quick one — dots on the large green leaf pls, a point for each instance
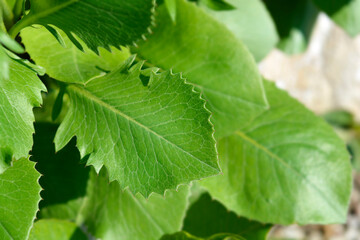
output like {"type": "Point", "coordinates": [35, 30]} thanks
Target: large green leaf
{"type": "Point", "coordinates": [113, 213]}
{"type": "Point", "coordinates": [187, 236]}
{"type": "Point", "coordinates": [98, 23]}
{"type": "Point", "coordinates": [250, 23]}
{"type": "Point", "coordinates": [56, 230]}
{"type": "Point", "coordinates": [344, 12]}
{"type": "Point", "coordinates": [286, 166]}
{"type": "Point", "coordinates": [64, 179]}
{"type": "Point", "coordinates": [19, 93]}
{"type": "Point", "coordinates": [150, 138]}
{"type": "Point", "coordinates": [207, 217]}
{"type": "Point", "coordinates": [19, 198]}
{"type": "Point", "coordinates": [294, 21]}
{"type": "Point", "coordinates": [68, 63]}
{"type": "Point", "coordinates": [212, 58]}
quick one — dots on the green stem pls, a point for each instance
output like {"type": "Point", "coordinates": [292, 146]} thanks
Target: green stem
{"type": "Point", "coordinates": [24, 22]}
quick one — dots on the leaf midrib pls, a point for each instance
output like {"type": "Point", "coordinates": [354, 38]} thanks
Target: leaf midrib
{"type": "Point", "coordinates": [283, 162]}
{"type": "Point", "coordinates": [99, 101]}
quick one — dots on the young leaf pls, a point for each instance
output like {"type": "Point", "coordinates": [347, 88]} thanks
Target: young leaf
{"type": "Point", "coordinates": [68, 64]}
{"type": "Point", "coordinates": [98, 23]}
{"type": "Point", "coordinates": [113, 213]}
{"type": "Point", "coordinates": [250, 22]}
{"type": "Point", "coordinates": [286, 166]}
{"type": "Point", "coordinates": [64, 179]}
{"type": "Point", "coordinates": [150, 138]}
{"type": "Point", "coordinates": [207, 217]}
{"type": "Point", "coordinates": [19, 93]}
{"type": "Point", "coordinates": [56, 230]}
{"type": "Point", "coordinates": [344, 12]}
{"type": "Point", "coordinates": [213, 59]}
{"type": "Point", "coordinates": [19, 198]}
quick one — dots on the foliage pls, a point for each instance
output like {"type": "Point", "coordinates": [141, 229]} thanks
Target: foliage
{"type": "Point", "coordinates": [153, 109]}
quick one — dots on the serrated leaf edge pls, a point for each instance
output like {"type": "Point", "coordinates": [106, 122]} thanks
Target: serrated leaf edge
{"type": "Point", "coordinates": [199, 94]}
{"type": "Point", "coordinates": [163, 194]}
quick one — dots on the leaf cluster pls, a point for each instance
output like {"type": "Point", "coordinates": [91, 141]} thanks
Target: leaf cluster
{"type": "Point", "coordinates": [152, 121]}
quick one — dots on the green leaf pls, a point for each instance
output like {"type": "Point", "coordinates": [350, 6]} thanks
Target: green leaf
{"type": "Point", "coordinates": [218, 5]}
{"type": "Point", "coordinates": [4, 64]}
{"type": "Point", "coordinates": [113, 213]}
{"type": "Point", "coordinates": [213, 59]}
{"type": "Point", "coordinates": [19, 93]}
{"type": "Point", "coordinates": [64, 179]}
{"type": "Point", "coordinates": [68, 64]}
{"type": "Point", "coordinates": [98, 23]}
{"type": "Point", "coordinates": [340, 118]}
{"type": "Point", "coordinates": [354, 148]}
{"type": "Point", "coordinates": [19, 198]}
{"type": "Point", "coordinates": [250, 22]}
{"type": "Point", "coordinates": [56, 230]}
{"type": "Point", "coordinates": [294, 21]}
{"type": "Point", "coordinates": [171, 7]}
{"type": "Point", "coordinates": [38, 69]}
{"type": "Point", "coordinates": [207, 217]}
{"type": "Point", "coordinates": [286, 166]}
{"type": "Point", "coordinates": [344, 12]}
{"type": "Point", "coordinates": [187, 236]}
{"type": "Point", "coordinates": [150, 138]}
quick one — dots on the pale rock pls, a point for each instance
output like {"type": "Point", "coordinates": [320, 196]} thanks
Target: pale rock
{"type": "Point", "coordinates": [326, 76]}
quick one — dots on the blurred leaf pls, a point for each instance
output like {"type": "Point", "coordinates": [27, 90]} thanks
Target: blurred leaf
{"type": "Point", "coordinates": [340, 118]}
{"type": "Point", "coordinates": [250, 22]}
{"type": "Point", "coordinates": [354, 149]}
{"type": "Point", "coordinates": [53, 229]}
{"type": "Point", "coordinates": [171, 7]}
